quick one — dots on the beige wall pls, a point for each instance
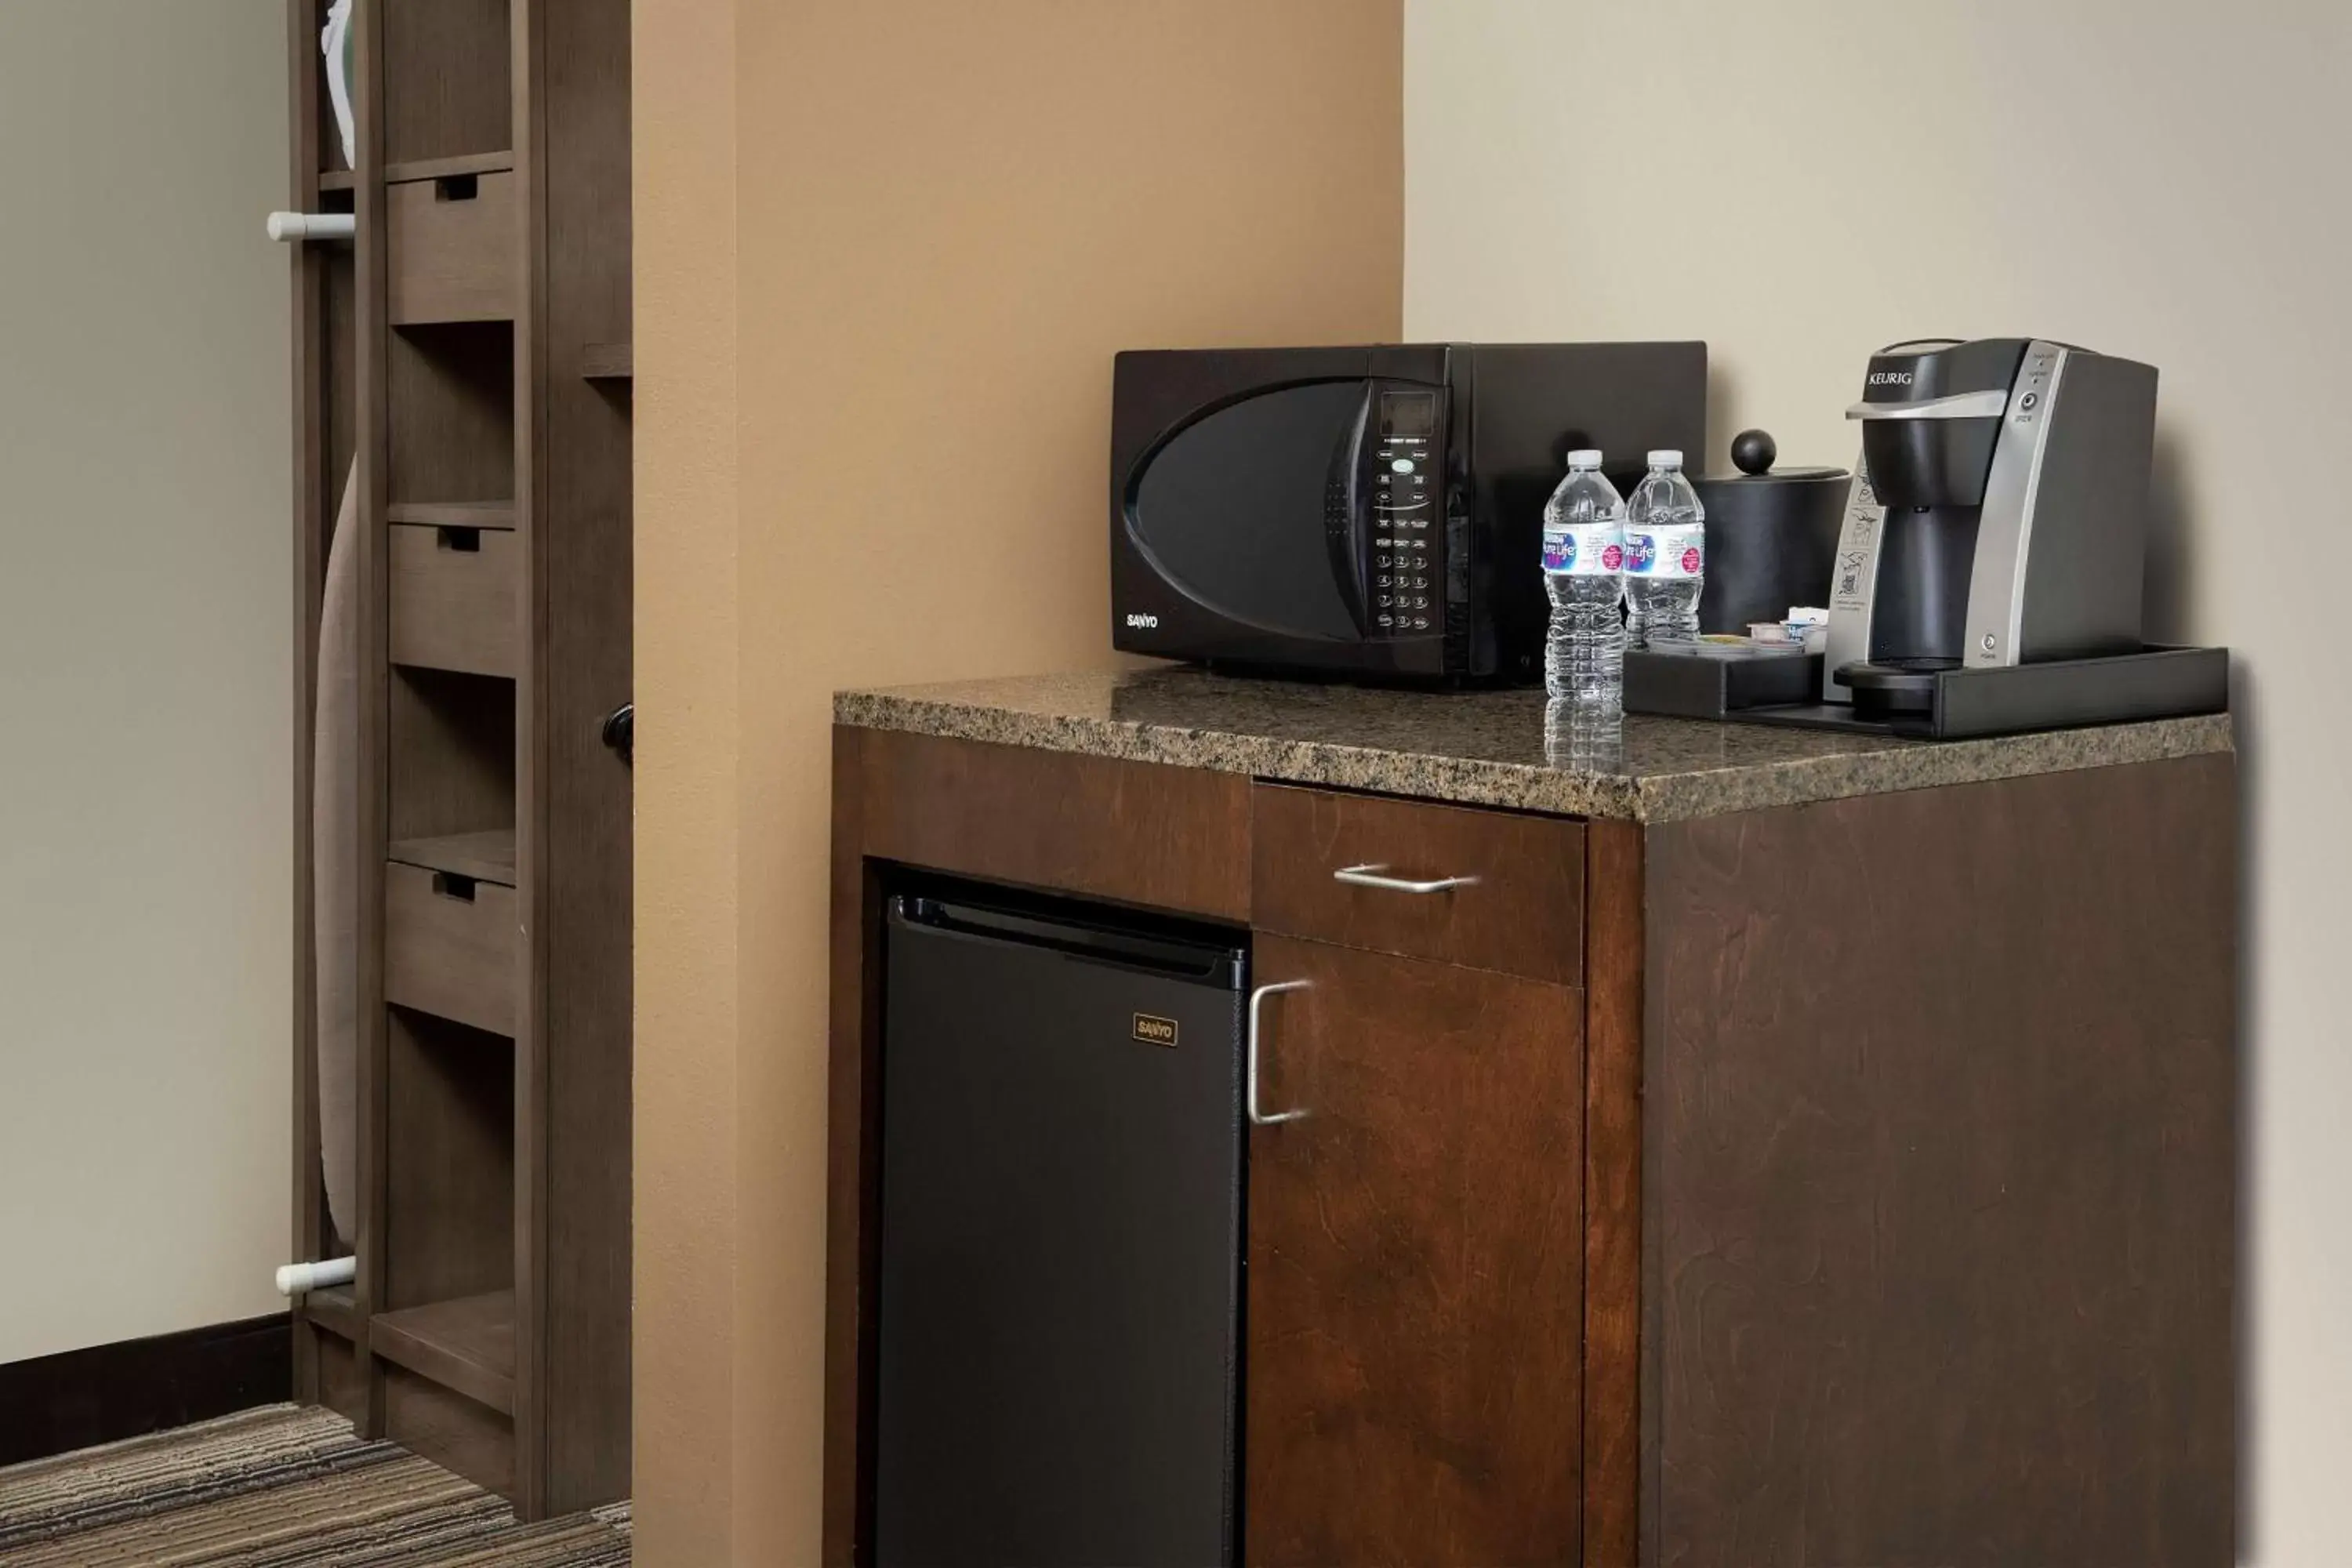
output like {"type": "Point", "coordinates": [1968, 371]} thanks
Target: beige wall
{"type": "Point", "coordinates": [2164, 181]}
{"type": "Point", "coordinates": [885, 253]}
{"type": "Point", "coordinates": [145, 613]}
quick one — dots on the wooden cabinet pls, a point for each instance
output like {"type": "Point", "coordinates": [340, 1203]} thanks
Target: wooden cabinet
{"type": "Point", "coordinates": [1414, 1266]}
{"type": "Point", "coordinates": [1844, 1183]}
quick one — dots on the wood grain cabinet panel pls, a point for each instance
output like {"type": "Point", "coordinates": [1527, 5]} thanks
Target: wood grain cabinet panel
{"type": "Point", "coordinates": [457, 599]}
{"type": "Point", "coordinates": [459, 1434]}
{"type": "Point", "coordinates": [450, 945]}
{"type": "Point", "coordinates": [1415, 1266]}
{"type": "Point", "coordinates": [453, 247]}
{"type": "Point", "coordinates": [1518, 906]}
{"type": "Point", "coordinates": [1170, 839]}
{"type": "Point", "coordinates": [1939, 1218]}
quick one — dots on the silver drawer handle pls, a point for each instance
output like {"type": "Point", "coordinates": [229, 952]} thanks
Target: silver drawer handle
{"type": "Point", "coordinates": [1372, 877]}
{"type": "Point", "coordinates": [1257, 1001]}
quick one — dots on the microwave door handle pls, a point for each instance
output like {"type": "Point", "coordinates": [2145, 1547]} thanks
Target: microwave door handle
{"type": "Point", "coordinates": [1345, 515]}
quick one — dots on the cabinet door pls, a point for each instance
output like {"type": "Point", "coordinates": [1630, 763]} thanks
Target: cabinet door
{"type": "Point", "coordinates": [1415, 1266]}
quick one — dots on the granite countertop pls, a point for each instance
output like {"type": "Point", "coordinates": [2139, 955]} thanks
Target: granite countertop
{"type": "Point", "coordinates": [1483, 748]}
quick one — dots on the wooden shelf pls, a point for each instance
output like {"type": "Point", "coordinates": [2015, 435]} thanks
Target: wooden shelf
{"type": "Point", "coordinates": [453, 513]}
{"type": "Point", "coordinates": [487, 857]}
{"type": "Point", "coordinates": [608, 362]}
{"type": "Point", "coordinates": [443, 168]}
{"type": "Point", "coordinates": [422, 169]}
{"type": "Point", "coordinates": [333, 1310]}
{"type": "Point", "coordinates": [467, 1345]}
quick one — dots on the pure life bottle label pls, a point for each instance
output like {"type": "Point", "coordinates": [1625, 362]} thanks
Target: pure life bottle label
{"type": "Point", "coordinates": [1667, 552]}
{"type": "Point", "coordinates": [1593, 550]}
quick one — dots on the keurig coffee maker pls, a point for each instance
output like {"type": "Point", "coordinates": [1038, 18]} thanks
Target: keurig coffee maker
{"type": "Point", "coordinates": [1988, 569]}
{"type": "Point", "coordinates": [1999, 516]}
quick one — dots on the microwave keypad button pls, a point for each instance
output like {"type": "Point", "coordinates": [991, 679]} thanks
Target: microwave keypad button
{"type": "Point", "coordinates": [1401, 465]}
{"type": "Point", "coordinates": [1388, 620]}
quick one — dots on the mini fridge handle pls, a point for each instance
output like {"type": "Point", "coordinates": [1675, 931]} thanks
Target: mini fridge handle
{"type": "Point", "coordinates": [1257, 1007]}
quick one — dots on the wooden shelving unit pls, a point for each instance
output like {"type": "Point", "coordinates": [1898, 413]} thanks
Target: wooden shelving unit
{"type": "Point", "coordinates": [488, 1327]}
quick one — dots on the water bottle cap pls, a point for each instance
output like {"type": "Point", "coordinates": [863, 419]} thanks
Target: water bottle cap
{"type": "Point", "coordinates": [1584, 458]}
{"type": "Point", "coordinates": [1665, 458]}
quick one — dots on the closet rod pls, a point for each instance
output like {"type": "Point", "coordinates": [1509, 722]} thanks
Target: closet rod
{"type": "Point", "coordinates": [289, 226]}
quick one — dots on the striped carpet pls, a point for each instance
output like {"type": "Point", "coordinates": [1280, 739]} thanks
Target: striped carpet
{"type": "Point", "coordinates": [280, 1487]}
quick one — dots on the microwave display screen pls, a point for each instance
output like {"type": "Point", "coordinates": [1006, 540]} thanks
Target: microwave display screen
{"type": "Point", "coordinates": [1408, 414]}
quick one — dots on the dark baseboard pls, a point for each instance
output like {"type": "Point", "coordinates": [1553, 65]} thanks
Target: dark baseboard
{"type": "Point", "coordinates": [55, 1404]}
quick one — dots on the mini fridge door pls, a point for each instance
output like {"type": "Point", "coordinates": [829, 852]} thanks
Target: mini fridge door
{"type": "Point", "coordinates": [1060, 1243]}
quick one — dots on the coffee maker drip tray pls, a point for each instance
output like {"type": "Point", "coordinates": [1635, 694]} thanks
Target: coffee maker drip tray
{"type": "Point", "coordinates": [1894, 687]}
{"type": "Point", "coordinates": [1923, 698]}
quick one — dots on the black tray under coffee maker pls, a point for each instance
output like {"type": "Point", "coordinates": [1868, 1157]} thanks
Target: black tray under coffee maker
{"type": "Point", "coordinates": [1987, 573]}
{"type": "Point", "coordinates": [1763, 685]}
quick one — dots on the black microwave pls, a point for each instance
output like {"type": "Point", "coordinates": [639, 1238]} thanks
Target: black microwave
{"type": "Point", "coordinates": [1375, 512]}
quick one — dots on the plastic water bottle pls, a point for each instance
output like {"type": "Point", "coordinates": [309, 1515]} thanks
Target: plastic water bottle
{"type": "Point", "coordinates": [1584, 553]}
{"type": "Point", "coordinates": [1665, 555]}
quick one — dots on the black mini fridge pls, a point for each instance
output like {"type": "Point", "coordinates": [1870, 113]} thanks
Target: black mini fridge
{"type": "Point", "coordinates": [1060, 1285]}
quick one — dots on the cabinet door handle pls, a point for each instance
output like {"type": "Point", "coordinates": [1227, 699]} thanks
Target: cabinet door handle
{"type": "Point", "coordinates": [1257, 1002]}
{"type": "Point", "coordinates": [1376, 877]}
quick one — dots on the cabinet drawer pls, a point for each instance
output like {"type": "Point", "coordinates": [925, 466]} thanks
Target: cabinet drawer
{"type": "Point", "coordinates": [1358, 870]}
{"type": "Point", "coordinates": [455, 597]}
{"type": "Point", "coordinates": [451, 247]}
{"type": "Point", "coordinates": [449, 947]}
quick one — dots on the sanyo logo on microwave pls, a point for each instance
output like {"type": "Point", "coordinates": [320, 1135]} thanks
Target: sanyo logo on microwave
{"type": "Point", "coordinates": [1890, 378]}
{"type": "Point", "coordinates": [1143, 622]}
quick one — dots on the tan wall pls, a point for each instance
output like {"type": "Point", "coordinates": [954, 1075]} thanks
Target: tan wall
{"type": "Point", "coordinates": [146, 608]}
{"type": "Point", "coordinates": [688, 741]}
{"type": "Point", "coordinates": [885, 253]}
{"type": "Point", "coordinates": [2159, 180]}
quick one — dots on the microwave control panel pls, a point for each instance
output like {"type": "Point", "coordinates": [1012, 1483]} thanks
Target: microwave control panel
{"type": "Point", "coordinates": [1406, 573]}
